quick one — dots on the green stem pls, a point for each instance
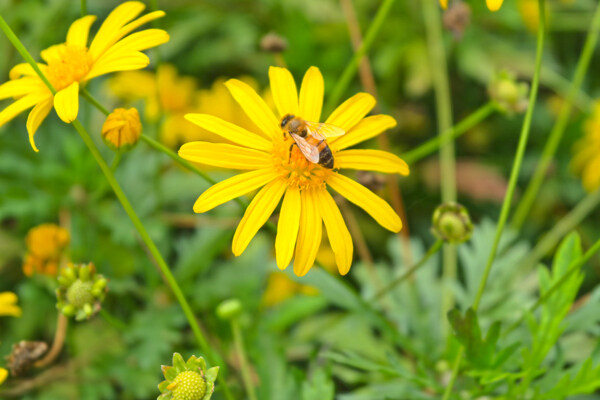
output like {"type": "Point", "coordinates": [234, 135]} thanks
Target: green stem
{"type": "Point", "coordinates": [24, 53]}
{"type": "Point", "coordinates": [511, 183]}
{"type": "Point", "coordinates": [443, 105]}
{"type": "Point", "coordinates": [112, 320]}
{"type": "Point", "coordinates": [432, 250]}
{"type": "Point", "coordinates": [564, 226]}
{"type": "Point", "coordinates": [351, 68]}
{"type": "Point", "coordinates": [116, 161]}
{"type": "Point", "coordinates": [92, 100]}
{"type": "Point", "coordinates": [574, 267]}
{"type": "Point", "coordinates": [210, 354]}
{"type": "Point", "coordinates": [245, 368]}
{"type": "Point", "coordinates": [457, 130]}
{"type": "Point", "coordinates": [558, 129]}
{"type": "Point", "coordinates": [83, 8]}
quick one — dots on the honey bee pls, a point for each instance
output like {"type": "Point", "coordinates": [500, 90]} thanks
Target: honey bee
{"type": "Point", "coordinates": [310, 138]}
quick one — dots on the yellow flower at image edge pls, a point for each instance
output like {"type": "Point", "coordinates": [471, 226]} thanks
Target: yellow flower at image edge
{"type": "Point", "coordinates": [283, 172]}
{"type": "Point", "coordinates": [492, 5]}
{"type": "Point", "coordinates": [8, 305]}
{"type": "Point", "coordinates": [71, 64]}
{"type": "Point", "coordinates": [3, 375]}
{"type": "Point", "coordinates": [122, 128]}
{"type": "Point", "coordinates": [586, 160]}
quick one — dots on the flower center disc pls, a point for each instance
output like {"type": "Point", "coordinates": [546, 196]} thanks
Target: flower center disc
{"type": "Point", "coordinates": [68, 64]}
{"type": "Point", "coordinates": [295, 168]}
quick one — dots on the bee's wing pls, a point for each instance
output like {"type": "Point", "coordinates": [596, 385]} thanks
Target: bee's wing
{"type": "Point", "coordinates": [321, 130]}
{"type": "Point", "coordinates": [310, 152]}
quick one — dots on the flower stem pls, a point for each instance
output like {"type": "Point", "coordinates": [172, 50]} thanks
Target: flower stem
{"type": "Point", "coordinates": [512, 183]}
{"type": "Point", "coordinates": [239, 344]}
{"type": "Point", "coordinates": [443, 103]}
{"type": "Point", "coordinates": [83, 8]}
{"type": "Point", "coordinates": [558, 129]}
{"type": "Point", "coordinates": [352, 66]}
{"type": "Point", "coordinates": [432, 250]}
{"type": "Point", "coordinates": [62, 324]}
{"type": "Point", "coordinates": [574, 267]}
{"type": "Point", "coordinates": [463, 126]}
{"type": "Point", "coordinates": [564, 226]}
{"type": "Point", "coordinates": [92, 100]}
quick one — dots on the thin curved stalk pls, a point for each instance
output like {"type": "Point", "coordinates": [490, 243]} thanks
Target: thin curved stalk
{"type": "Point", "coordinates": [558, 129]}
{"type": "Point", "coordinates": [512, 183]}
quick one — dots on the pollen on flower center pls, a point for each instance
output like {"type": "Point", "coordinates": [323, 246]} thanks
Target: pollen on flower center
{"type": "Point", "coordinates": [295, 168]}
{"type": "Point", "coordinates": [67, 65]}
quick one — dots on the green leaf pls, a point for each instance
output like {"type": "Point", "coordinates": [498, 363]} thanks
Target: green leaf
{"type": "Point", "coordinates": [586, 380]}
{"type": "Point", "coordinates": [319, 387]}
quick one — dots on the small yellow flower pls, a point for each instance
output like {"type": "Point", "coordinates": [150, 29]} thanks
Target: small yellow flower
{"type": "Point", "coordinates": [492, 5]}
{"type": "Point", "coordinates": [8, 305]}
{"type": "Point", "coordinates": [122, 128]}
{"type": "Point", "coordinates": [281, 287]}
{"type": "Point", "coordinates": [71, 64]}
{"type": "Point", "coordinates": [3, 375]}
{"type": "Point", "coordinates": [284, 173]}
{"type": "Point", "coordinates": [586, 160]}
{"type": "Point", "coordinates": [45, 246]}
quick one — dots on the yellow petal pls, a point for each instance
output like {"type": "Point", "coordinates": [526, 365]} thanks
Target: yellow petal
{"type": "Point", "coordinates": [3, 375]}
{"type": "Point", "coordinates": [110, 30]}
{"type": "Point", "coordinates": [257, 213]}
{"type": "Point", "coordinates": [283, 89]}
{"type": "Point", "coordinates": [287, 227]}
{"type": "Point", "coordinates": [24, 69]}
{"type": "Point", "coordinates": [53, 53]}
{"type": "Point", "coordinates": [21, 105]}
{"type": "Point", "coordinates": [311, 95]}
{"type": "Point", "coordinates": [127, 62]}
{"type": "Point", "coordinates": [230, 131]}
{"type": "Point", "coordinates": [494, 5]}
{"type": "Point", "coordinates": [135, 42]}
{"type": "Point", "coordinates": [371, 160]}
{"type": "Point", "coordinates": [350, 112]}
{"type": "Point", "coordinates": [366, 129]}
{"type": "Point", "coordinates": [377, 208]}
{"type": "Point", "coordinates": [8, 305]}
{"type": "Point", "coordinates": [21, 87]}
{"type": "Point", "coordinates": [444, 4]}
{"type": "Point", "coordinates": [309, 234]}
{"type": "Point", "coordinates": [337, 232]}
{"type": "Point", "coordinates": [233, 187]}
{"type": "Point", "coordinates": [591, 175]}
{"type": "Point", "coordinates": [79, 31]}
{"type": "Point", "coordinates": [66, 103]}
{"type": "Point", "coordinates": [140, 21]}
{"type": "Point", "coordinates": [36, 117]}
{"type": "Point", "coordinates": [255, 107]}
{"type": "Point", "coordinates": [225, 155]}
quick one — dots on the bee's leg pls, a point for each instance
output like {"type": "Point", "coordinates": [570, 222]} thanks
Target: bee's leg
{"type": "Point", "coordinates": [291, 146]}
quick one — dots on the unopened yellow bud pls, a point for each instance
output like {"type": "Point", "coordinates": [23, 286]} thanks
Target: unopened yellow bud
{"type": "Point", "coordinates": [122, 128]}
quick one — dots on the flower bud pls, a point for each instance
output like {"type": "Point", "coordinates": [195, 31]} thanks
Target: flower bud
{"type": "Point", "coordinates": [122, 129]}
{"type": "Point", "coordinates": [46, 244]}
{"type": "Point", "coordinates": [508, 94]}
{"type": "Point", "coordinates": [187, 380]}
{"type": "Point", "coordinates": [229, 309]}
{"type": "Point", "coordinates": [451, 223]}
{"type": "Point", "coordinates": [273, 43]}
{"type": "Point", "coordinates": [81, 291]}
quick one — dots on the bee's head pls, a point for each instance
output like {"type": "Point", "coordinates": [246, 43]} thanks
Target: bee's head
{"type": "Point", "coordinates": [286, 118]}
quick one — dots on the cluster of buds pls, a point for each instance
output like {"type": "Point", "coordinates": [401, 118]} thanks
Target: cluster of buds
{"type": "Point", "coordinates": [187, 380]}
{"type": "Point", "coordinates": [451, 223]}
{"type": "Point", "coordinates": [122, 129]}
{"type": "Point", "coordinates": [80, 291]}
{"type": "Point", "coordinates": [508, 94]}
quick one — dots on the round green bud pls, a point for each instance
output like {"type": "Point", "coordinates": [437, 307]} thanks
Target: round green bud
{"type": "Point", "coordinates": [188, 385]}
{"type": "Point", "coordinates": [451, 223]}
{"type": "Point", "coordinates": [229, 309]}
{"type": "Point", "coordinates": [80, 293]}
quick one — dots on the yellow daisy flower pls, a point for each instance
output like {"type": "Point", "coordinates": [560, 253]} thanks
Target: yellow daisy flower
{"type": "Point", "coordinates": [284, 172]}
{"type": "Point", "coordinates": [3, 375]}
{"type": "Point", "coordinates": [71, 64]}
{"type": "Point", "coordinates": [8, 305]}
{"type": "Point", "coordinates": [46, 244]}
{"type": "Point", "coordinates": [586, 160]}
{"type": "Point", "coordinates": [492, 5]}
